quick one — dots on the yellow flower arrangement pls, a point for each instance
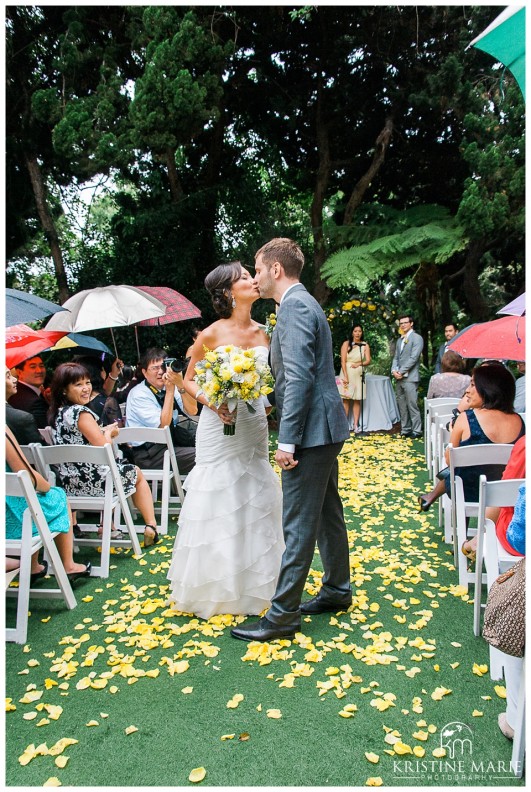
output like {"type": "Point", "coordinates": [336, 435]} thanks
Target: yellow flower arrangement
{"type": "Point", "coordinates": [231, 374]}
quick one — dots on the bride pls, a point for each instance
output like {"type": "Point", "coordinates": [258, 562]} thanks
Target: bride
{"type": "Point", "coordinates": [228, 548]}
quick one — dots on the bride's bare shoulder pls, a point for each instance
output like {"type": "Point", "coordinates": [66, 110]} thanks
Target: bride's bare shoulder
{"type": "Point", "coordinates": [211, 335]}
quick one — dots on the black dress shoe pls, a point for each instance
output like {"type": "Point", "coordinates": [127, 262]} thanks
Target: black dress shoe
{"type": "Point", "coordinates": [405, 434]}
{"type": "Point", "coordinates": [263, 630]}
{"type": "Point", "coordinates": [416, 435]}
{"type": "Point", "coordinates": [35, 576]}
{"type": "Point", "coordinates": [322, 605]}
{"type": "Point", "coordinates": [72, 576]}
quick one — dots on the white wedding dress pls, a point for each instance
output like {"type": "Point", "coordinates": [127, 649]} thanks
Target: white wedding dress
{"type": "Point", "coordinates": [229, 544]}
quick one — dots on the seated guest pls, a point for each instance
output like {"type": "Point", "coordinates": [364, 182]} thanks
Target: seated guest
{"type": "Point", "coordinates": [510, 532]}
{"type": "Point", "coordinates": [452, 381]}
{"type": "Point", "coordinates": [29, 397]}
{"type": "Point", "coordinates": [105, 407]}
{"type": "Point", "coordinates": [55, 509]}
{"type": "Point", "coordinates": [157, 402]}
{"type": "Point", "coordinates": [22, 424]}
{"type": "Point", "coordinates": [519, 399]}
{"type": "Point", "coordinates": [74, 423]}
{"type": "Point", "coordinates": [126, 381]}
{"type": "Point", "coordinates": [489, 418]}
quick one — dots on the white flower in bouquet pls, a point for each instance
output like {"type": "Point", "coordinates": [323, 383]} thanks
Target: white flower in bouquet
{"type": "Point", "coordinates": [231, 374]}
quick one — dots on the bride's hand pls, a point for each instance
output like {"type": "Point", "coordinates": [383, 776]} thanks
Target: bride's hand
{"type": "Point", "coordinates": [225, 415]}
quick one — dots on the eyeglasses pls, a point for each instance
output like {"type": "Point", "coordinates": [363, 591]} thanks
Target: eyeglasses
{"type": "Point", "coordinates": [157, 368]}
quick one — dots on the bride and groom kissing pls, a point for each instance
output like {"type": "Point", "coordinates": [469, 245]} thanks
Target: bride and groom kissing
{"type": "Point", "coordinates": [244, 544]}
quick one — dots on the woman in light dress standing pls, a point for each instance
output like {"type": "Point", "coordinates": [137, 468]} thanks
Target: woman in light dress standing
{"type": "Point", "coordinates": [355, 356]}
{"type": "Point", "coordinates": [229, 544]}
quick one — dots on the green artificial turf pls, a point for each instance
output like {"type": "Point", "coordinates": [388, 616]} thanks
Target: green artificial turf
{"type": "Point", "coordinates": [397, 556]}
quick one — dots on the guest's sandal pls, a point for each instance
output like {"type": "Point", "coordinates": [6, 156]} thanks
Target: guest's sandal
{"type": "Point", "coordinates": [35, 576]}
{"type": "Point", "coordinates": [150, 540]}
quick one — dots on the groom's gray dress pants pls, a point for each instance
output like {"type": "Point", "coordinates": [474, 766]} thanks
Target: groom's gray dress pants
{"type": "Point", "coordinates": [312, 511]}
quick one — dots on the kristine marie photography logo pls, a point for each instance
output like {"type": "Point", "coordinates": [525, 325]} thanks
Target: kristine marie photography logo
{"type": "Point", "coordinates": [458, 764]}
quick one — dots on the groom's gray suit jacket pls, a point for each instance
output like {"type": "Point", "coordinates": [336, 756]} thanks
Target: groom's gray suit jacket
{"type": "Point", "coordinates": [306, 395]}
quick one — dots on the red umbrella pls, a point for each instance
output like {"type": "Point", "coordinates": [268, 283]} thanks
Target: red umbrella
{"type": "Point", "coordinates": [23, 343]}
{"type": "Point", "coordinates": [178, 307]}
{"type": "Point", "coordinates": [501, 339]}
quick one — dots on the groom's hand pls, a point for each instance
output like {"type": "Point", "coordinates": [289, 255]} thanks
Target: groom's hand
{"type": "Point", "coordinates": [285, 460]}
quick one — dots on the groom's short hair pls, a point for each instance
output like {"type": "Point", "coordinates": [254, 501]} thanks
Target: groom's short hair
{"type": "Point", "coordinates": [286, 252]}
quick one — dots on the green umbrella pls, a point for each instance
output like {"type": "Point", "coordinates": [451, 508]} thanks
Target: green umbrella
{"type": "Point", "coordinates": [504, 39]}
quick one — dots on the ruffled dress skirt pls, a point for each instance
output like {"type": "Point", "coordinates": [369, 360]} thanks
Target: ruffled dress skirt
{"type": "Point", "coordinates": [228, 548]}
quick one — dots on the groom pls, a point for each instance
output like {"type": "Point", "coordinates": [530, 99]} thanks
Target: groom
{"type": "Point", "coordinates": [312, 430]}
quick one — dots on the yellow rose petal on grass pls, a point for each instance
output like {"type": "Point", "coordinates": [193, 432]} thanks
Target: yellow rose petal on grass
{"type": "Point", "coordinates": [53, 781]}
{"type": "Point", "coordinates": [10, 707]}
{"type": "Point", "coordinates": [186, 689]}
{"type": "Point", "coordinates": [479, 670]}
{"type": "Point", "coordinates": [372, 757]}
{"type": "Point", "coordinates": [43, 722]}
{"type": "Point", "coordinates": [500, 691]}
{"type": "Point", "coordinates": [477, 714]}
{"type": "Point", "coordinates": [227, 736]}
{"type": "Point", "coordinates": [113, 689]}
{"type": "Point", "coordinates": [31, 696]}
{"type": "Point", "coordinates": [33, 663]}
{"type": "Point", "coordinates": [60, 745]}
{"type": "Point", "coordinates": [104, 715]}
{"type": "Point", "coordinates": [87, 599]}
{"type": "Point", "coordinates": [454, 665]}
{"type": "Point", "coordinates": [374, 781]}
{"type": "Point", "coordinates": [197, 775]}
{"type": "Point", "coordinates": [61, 761]}
{"type": "Point", "coordinates": [439, 752]}
{"type": "Point", "coordinates": [46, 620]}
{"type": "Point", "coordinates": [29, 716]}
{"type": "Point", "coordinates": [92, 723]}
{"type": "Point", "coordinates": [420, 735]}
{"type": "Point", "coordinates": [401, 748]}
{"type": "Point", "coordinates": [457, 645]}
{"type": "Point", "coordinates": [419, 751]}
{"type": "Point", "coordinates": [274, 713]}
{"type": "Point", "coordinates": [131, 730]}
{"type": "Point", "coordinates": [486, 698]}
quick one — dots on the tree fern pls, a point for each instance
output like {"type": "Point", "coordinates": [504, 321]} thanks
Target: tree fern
{"type": "Point", "coordinates": [393, 241]}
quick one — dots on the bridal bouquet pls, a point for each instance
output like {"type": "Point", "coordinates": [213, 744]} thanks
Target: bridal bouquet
{"type": "Point", "coordinates": [229, 374]}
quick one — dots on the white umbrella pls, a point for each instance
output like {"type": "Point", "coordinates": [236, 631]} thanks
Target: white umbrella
{"type": "Point", "coordinates": [106, 306]}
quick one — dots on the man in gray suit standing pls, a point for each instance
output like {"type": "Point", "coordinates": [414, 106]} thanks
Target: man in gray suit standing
{"type": "Point", "coordinates": [405, 370]}
{"type": "Point", "coordinates": [312, 430]}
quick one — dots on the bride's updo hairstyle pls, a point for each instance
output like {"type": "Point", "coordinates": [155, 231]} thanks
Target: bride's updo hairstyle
{"type": "Point", "coordinates": [218, 283]}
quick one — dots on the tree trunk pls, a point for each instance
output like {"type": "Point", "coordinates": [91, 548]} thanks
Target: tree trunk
{"type": "Point", "coordinates": [176, 189]}
{"type": "Point", "coordinates": [382, 144]}
{"type": "Point", "coordinates": [321, 291]}
{"type": "Point", "coordinates": [45, 216]}
{"type": "Point", "coordinates": [478, 308]}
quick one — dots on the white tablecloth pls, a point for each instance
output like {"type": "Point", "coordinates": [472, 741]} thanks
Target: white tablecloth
{"type": "Point", "coordinates": [380, 410]}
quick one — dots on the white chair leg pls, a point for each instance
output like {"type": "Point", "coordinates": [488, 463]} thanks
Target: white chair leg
{"type": "Point", "coordinates": [495, 663]}
{"type": "Point", "coordinates": [517, 758]}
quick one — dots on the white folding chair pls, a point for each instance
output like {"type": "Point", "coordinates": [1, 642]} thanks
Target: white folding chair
{"type": "Point", "coordinates": [19, 485]}
{"type": "Point", "coordinates": [113, 497]}
{"type": "Point", "coordinates": [163, 476]}
{"type": "Point", "coordinates": [517, 758]}
{"type": "Point", "coordinates": [468, 456]}
{"type": "Point", "coordinates": [430, 408]}
{"type": "Point", "coordinates": [489, 549]}
{"type": "Point", "coordinates": [47, 435]}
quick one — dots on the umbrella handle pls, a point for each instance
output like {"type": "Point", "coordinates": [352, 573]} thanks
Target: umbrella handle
{"type": "Point", "coordinates": [114, 342]}
{"type": "Point", "coordinates": [136, 339]}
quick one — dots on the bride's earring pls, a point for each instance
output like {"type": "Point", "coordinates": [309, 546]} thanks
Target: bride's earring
{"type": "Point", "coordinates": [233, 303]}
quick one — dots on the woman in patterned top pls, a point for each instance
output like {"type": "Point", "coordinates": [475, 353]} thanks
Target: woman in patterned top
{"type": "Point", "coordinates": [75, 424]}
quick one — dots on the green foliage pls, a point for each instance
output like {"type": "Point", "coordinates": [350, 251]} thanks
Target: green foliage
{"type": "Point", "coordinates": [427, 234]}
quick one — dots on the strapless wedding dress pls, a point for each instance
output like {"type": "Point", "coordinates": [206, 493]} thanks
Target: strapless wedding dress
{"type": "Point", "coordinates": [229, 543]}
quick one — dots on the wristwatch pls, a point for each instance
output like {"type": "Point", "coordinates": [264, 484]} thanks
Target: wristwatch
{"type": "Point", "coordinates": [181, 390]}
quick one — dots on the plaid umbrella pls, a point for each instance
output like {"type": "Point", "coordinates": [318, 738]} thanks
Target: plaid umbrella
{"type": "Point", "coordinates": [178, 307]}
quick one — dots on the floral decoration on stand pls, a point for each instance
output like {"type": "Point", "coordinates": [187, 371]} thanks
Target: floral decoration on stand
{"type": "Point", "coordinates": [230, 374]}
{"type": "Point", "coordinates": [270, 324]}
